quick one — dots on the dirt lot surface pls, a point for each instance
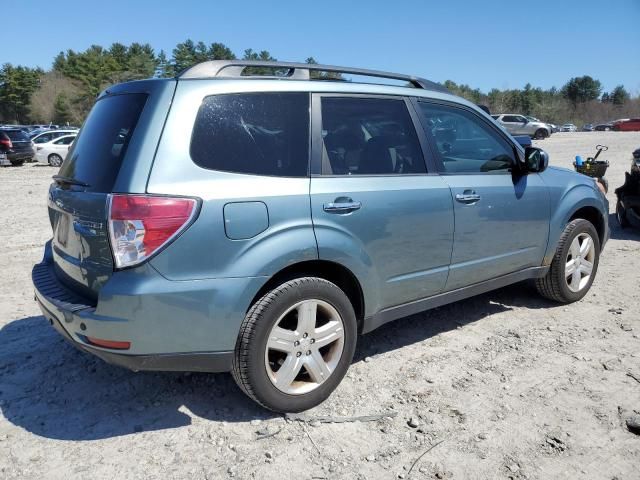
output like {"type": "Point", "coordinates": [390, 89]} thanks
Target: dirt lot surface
{"type": "Point", "coordinates": [504, 385]}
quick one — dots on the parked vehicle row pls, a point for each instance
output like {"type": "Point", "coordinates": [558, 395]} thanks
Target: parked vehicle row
{"type": "Point", "coordinates": [30, 128]}
{"type": "Point", "coordinates": [527, 125]}
{"type": "Point", "coordinates": [49, 146]}
{"type": "Point", "coordinates": [620, 125]}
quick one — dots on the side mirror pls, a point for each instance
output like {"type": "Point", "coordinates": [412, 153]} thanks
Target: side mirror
{"type": "Point", "coordinates": [536, 159]}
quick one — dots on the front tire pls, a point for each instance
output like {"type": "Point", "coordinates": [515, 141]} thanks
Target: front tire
{"type": "Point", "coordinates": [574, 265]}
{"type": "Point", "coordinates": [295, 345]}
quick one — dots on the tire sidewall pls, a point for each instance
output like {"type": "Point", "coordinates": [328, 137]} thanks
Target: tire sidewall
{"type": "Point", "coordinates": [621, 215]}
{"type": "Point", "coordinates": [580, 226]}
{"type": "Point", "coordinates": [262, 387]}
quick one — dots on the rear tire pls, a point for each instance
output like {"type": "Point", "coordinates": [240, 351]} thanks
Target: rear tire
{"type": "Point", "coordinates": [621, 215]}
{"type": "Point", "coordinates": [17, 163]}
{"type": "Point", "coordinates": [574, 264]}
{"type": "Point", "coordinates": [55, 160]}
{"type": "Point", "coordinates": [295, 345]}
{"type": "Point", "coordinates": [541, 134]}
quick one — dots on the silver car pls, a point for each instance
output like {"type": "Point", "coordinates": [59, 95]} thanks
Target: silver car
{"type": "Point", "coordinates": [521, 125]}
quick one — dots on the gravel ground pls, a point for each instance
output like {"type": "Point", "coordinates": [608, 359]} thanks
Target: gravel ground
{"type": "Point", "coordinates": [503, 385]}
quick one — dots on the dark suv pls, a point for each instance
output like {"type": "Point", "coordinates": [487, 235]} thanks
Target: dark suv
{"type": "Point", "coordinates": [15, 147]}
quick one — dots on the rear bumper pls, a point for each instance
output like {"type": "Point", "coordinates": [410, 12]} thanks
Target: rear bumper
{"type": "Point", "coordinates": [166, 362]}
{"type": "Point", "coordinates": [172, 326]}
{"type": "Point", "coordinates": [22, 156]}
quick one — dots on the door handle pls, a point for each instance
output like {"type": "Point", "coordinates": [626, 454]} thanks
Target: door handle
{"type": "Point", "coordinates": [468, 198]}
{"type": "Point", "coordinates": [341, 207]}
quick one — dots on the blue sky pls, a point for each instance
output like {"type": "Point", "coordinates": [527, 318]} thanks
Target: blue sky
{"type": "Point", "coordinates": [485, 43]}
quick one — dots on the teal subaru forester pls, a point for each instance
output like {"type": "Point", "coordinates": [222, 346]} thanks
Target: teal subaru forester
{"type": "Point", "coordinates": [227, 221]}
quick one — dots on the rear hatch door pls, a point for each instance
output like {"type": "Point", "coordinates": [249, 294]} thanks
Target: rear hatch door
{"type": "Point", "coordinates": [78, 199]}
{"type": "Point", "coordinates": [20, 140]}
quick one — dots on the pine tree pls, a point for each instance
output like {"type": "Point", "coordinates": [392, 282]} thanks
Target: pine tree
{"type": "Point", "coordinates": [163, 68]}
{"type": "Point", "coordinates": [61, 111]}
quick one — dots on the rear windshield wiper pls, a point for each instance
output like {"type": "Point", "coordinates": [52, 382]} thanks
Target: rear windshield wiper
{"type": "Point", "coordinates": [70, 181]}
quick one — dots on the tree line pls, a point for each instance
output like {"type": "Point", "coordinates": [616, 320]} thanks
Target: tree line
{"type": "Point", "coordinates": [580, 100]}
{"type": "Point", "coordinates": [65, 93]}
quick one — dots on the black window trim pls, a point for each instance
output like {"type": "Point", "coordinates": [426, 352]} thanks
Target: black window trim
{"type": "Point", "coordinates": [309, 133]}
{"type": "Point", "coordinates": [490, 124]}
{"type": "Point", "coordinates": [317, 141]}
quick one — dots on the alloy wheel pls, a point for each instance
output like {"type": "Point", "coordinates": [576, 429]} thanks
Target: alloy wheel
{"type": "Point", "coordinates": [55, 160]}
{"type": "Point", "coordinates": [579, 262]}
{"type": "Point", "coordinates": [304, 347]}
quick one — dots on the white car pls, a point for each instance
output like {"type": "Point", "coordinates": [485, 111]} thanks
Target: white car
{"type": "Point", "coordinates": [55, 151]}
{"type": "Point", "coordinates": [568, 127]}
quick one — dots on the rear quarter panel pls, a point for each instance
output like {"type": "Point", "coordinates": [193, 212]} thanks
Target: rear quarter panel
{"type": "Point", "coordinates": [206, 250]}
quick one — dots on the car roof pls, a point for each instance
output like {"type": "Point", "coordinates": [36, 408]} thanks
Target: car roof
{"type": "Point", "coordinates": [225, 76]}
{"type": "Point", "coordinates": [57, 131]}
{"type": "Point", "coordinates": [64, 136]}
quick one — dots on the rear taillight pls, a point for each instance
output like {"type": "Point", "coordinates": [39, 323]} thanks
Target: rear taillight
{"type": "Point", "coordinates": [139, 225]}
{"type": "Point", "coordinates": [6, 142]}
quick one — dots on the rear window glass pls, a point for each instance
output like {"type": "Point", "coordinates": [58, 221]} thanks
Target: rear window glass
{"type": "Point", "coordinates": [97, 152]}
{"type": "Point", "coordinates": [17, 135]}
{"type": "Point", "coordinates": [253, 133]}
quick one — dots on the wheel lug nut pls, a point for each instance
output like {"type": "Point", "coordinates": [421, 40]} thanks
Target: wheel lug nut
{"type": "Point", "coordinates": [296, 343]}
{"type": "Point", "coordinates": [305, 335]}
{"type": "Point", "coordinates": [308, 352]}
{"type": "Point", "coordinates": [298, 354]}
{"type": "Point", "coordinates": [313, 340]}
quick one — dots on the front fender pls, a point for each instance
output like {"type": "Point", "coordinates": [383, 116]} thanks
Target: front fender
{"type": "Point", "coordinates": [565, 205]}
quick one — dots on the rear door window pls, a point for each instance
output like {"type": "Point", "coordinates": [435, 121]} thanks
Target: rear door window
{"type": "Point", "coordinates": [64, 141]}
{"type": "Point", "coordinates": [96, 154]}
{"type": "Point", "coordinates": [369, 136]}
{"type": "Point", "coordinates": [253, 133]}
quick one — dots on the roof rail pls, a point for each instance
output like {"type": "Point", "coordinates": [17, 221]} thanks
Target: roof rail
{"type": "Point", "coordinates": [295, 71]}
